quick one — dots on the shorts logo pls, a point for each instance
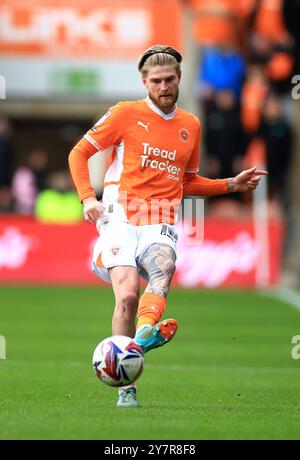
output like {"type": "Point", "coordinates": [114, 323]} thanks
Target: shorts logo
{"type": "Point", "coordinates": [169, 232]}
{"type": "Point", "coordinates": [115, 249]}
{"type": "Point", "coordinates": [184, 135]}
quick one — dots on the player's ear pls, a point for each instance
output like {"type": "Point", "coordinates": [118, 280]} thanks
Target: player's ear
{"type": "Point", "coordinates": [179, 76]}
{"type": "Point", "coordinates": [144, 81]}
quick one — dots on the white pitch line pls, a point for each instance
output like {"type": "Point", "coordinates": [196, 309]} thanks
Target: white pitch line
{"type": "Point", "coordinates": [286, 295]}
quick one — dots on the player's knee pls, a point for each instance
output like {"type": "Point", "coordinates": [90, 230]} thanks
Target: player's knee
{"type": "Point", "coordinates": [127, 305]}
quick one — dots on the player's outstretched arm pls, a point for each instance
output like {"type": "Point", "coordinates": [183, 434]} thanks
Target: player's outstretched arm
{"type": "Point", "coordinates": [202, 186]}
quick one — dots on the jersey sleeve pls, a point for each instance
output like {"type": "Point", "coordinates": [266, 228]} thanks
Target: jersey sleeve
{"type": "Point", "coordinates": [78, 163]}
{"type": "Point", "coordinates": [109, 128]}
{"type": "Point", "coordinates": [202, 186]}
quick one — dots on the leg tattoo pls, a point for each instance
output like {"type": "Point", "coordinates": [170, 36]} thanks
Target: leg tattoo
{"type": "Point", "coordinates": [159, 263]}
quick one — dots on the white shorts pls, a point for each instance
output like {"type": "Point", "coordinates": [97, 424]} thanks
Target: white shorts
{"type": "Point", "coordinates": [121, 243]}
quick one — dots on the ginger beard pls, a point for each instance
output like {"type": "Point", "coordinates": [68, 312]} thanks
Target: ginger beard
{"type": "Point", "coordinates": [165, 101]}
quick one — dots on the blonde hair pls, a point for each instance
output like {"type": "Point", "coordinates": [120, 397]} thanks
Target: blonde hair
{"type": "Point", "coordinates": [159, 55]}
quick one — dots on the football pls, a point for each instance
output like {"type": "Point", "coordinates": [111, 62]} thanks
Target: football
{"type": "Point", "coordinates": [118, 360]}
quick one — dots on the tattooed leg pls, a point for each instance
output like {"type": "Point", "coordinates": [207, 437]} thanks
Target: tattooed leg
{"type": "Point", "coordinates": [159, 263]}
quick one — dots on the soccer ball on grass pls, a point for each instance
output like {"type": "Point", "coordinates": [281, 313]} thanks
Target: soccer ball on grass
{"type": "Point", "coordinates": [118, 360]}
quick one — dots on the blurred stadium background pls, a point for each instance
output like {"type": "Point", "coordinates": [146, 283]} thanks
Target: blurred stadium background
{"type": "Point", "coordinates": [62, 65]}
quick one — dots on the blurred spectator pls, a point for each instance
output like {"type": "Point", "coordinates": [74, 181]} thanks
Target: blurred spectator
{"type": "Point", "coordinates": [278, 59]}
{"type": "Point", "coordinates": [271, 43]}
{"type": "Point", "coordinates": [277, 134]}
{"type": "Point", "coordinates": [253, 96]}
{"type": "Point", "coordinates": [6, 200]}
{"type": "Point", "coordinates": [291, 15]}
{"type": "Point", "coordinates": [58, 203]}
{"type": "Point", "coordinates": [5, 152]}
{"type": "Point", "coordinates": [220, 22]}
{"type": "Point", "coordinates": [29, 180]}
{"type": "Point", "coordinates": [260, 48]}
{"type": "Point", "coordinates": [269, 21]}
{"type": "Point", "coordinates": [224, 136]}
{"type": "Point", "coordinates": [280, 66]}
{"type": "Point", "coordinates": [221, 69]}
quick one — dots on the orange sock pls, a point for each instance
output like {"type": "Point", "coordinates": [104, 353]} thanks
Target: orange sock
{"type": "Point", "coordinates": [150, 309]}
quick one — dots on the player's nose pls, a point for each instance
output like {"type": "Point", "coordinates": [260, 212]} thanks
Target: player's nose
{"type": "Point", "coordinates": [163, 86]}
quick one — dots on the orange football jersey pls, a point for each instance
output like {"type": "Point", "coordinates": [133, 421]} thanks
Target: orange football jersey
{"type": "Point", "coordinates": [153, 152]}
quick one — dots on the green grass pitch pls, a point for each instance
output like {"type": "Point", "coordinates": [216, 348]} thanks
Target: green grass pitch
{"type": "Point", "coordinates": [228, 374]}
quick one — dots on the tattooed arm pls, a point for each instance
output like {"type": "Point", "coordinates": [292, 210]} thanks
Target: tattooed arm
{"type": "Point", "coordinates": [158, 261]}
